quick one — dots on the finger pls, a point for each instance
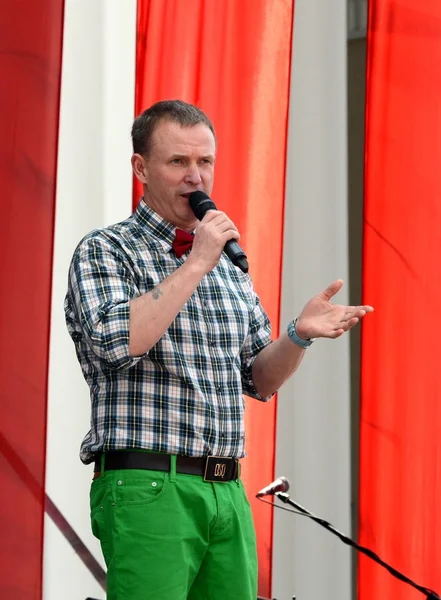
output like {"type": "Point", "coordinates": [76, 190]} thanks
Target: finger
{"type": "Point", "coordinates": [359, 313]}
{"type": "Point", "coordinates": [230, 234]}
{"type": "Point", "coordinates": [346, 325]}
{"type": "Point", "coordinates": [348, 311]}
{"type": "Point", "coordinates": [224, 228]}
{"type": "Point", "coordinates": [336, 334]}
{"type": "Point", "coordinates": [221, 220]}
{"type": "Point", "coordinates": [332, 289]}
{"type": "Point", "coordinates": [224, 225]}
{"type": "Point", "coordinates": [211, 215]}
{"type": "Point", "coordinates": [351, 323]}
{"type": "Point", "coordinates": [356, 311]}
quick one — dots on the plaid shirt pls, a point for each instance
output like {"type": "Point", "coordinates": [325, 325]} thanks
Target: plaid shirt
{"type": "Point", "coordinates": [185, 395]}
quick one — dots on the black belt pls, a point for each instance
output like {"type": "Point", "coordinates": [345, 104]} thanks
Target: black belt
{"type": "Point", "coordinates": [212, 468]}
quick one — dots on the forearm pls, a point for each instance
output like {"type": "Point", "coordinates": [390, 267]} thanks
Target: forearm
{"type": "Point", "coordinates": [275, 364]}
{"type": "Point", "coordinates": [152, 313]}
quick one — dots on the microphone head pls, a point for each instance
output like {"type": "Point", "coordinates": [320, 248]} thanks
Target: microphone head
{"type": "Point", "coordinates": [284, 484]}
{"type": "Point", "coordinates": [281, 484]}
{"type": "Point", "coordinates": [200, 204]}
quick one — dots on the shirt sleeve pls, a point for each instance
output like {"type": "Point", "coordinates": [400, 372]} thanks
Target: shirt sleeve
{"type": "Point", "coordinates": [101, 285]}
{"type": "Point", "coordinates": [259, 336]}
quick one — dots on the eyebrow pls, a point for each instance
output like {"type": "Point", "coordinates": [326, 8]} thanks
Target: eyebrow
{"type": "Point", "coordinates": [209, 156]}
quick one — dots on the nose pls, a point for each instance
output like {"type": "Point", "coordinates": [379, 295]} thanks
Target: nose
{"type": "Point", "coordinates": [193, 175]}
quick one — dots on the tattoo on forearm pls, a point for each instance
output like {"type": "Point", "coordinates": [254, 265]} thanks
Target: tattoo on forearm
{"type": "Point", "coordinates": [156, 293]}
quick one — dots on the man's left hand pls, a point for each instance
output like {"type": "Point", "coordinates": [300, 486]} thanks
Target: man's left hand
{"type": "Point", "coordinates": [320, 318]}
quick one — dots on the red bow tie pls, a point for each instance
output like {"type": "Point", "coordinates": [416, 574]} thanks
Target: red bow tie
{"type": "Point", "coordinates": [182, 242]}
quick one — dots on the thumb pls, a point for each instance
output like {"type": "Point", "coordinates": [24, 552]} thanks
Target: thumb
{"type": "Point", "coordinates": [332, 289]}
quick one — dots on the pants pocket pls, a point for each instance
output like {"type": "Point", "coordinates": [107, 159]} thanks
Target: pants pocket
{"type": "Point", "coordinates": [136, 488]}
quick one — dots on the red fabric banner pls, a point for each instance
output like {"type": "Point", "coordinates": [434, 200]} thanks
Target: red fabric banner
{"type": "Point", "coordinates": [400, 475]}
{"type": "Point", "coordinates": [30, 63]}
{"type": "Point", "coordinates": [233, 60]}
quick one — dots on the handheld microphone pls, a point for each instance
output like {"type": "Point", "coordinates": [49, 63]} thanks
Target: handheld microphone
{"type": "Point", "coordinates": [200, 204]}
{"type": "Point", "coordinates": [281, 484]}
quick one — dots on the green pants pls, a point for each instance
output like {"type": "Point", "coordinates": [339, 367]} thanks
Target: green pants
{"type": "Point", "coordinates": [171, 536]}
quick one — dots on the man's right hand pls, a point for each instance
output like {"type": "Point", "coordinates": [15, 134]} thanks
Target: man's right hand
{"type": "Point", "coordinates": [211, 235]}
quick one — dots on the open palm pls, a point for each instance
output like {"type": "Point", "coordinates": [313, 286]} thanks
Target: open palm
{"type": "Point", "coordinates": [320, 318]}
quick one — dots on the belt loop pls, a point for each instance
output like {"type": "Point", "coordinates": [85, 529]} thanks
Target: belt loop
{"type": "Point", "coordinates": [102, 463]}
{"type": "Point", "coordinates": [173, 468]}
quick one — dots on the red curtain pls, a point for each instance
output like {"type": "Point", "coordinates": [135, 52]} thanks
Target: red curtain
{"type": "Point", "coordinates": [233, 60]}
{"type": "Point", "coordinates": [400, 475]}
{"type": "Point", "coordinates": [30, 63]}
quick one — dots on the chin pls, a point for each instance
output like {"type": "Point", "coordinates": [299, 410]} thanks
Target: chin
{"type": "Point", "coordinates": [187, 214]}
{"type": "Point", "coordinates": [189, 221]}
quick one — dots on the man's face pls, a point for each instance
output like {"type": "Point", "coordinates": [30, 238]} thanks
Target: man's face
{"type": "Point", "coordinates": [180, 161]}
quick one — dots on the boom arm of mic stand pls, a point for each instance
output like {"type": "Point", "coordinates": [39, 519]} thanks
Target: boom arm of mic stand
{"type": "Point", "coordinates": [430, 595]}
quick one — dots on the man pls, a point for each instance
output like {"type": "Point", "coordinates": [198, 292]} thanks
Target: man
{"type": "Point", "coordinates": [170, 335]}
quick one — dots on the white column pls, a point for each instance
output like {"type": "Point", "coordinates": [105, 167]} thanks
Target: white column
{"type": "Point", "coordinates": [94, 188]}
{"type": "Point", "coordinates": [313, 428]}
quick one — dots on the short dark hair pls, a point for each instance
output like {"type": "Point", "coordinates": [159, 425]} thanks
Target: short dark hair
{"type": "Point", "coordinates": [177, 111]}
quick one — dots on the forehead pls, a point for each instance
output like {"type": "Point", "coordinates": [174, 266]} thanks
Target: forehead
{"type": "Point", "coordinates": [171, 138]}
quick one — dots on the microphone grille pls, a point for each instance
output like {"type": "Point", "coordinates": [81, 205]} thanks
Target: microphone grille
{"type": "Point", "coordinates": [200, 203]}
{"type": "Point", "coordinates": [284, 484]}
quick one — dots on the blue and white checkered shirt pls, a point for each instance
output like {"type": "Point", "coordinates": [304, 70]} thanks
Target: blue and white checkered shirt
{"type": "Point", "coordinates": [185, 395]}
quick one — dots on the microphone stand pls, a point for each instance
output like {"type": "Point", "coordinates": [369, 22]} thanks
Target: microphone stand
{"type": "Point", "coordinates": [430, 595]}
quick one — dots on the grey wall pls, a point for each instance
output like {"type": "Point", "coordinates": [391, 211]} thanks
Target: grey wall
{"type": "Point", "coordinates": [313, 445]}
{"type": "Point", "coordinates": [318, 411]}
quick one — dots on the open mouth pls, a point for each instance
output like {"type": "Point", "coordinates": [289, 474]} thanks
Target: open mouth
{"type": "Point", "coordinates": [186, 196]}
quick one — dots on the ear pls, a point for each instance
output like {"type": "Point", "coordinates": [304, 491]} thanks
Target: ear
{"type": "Point", "coordinates": [139, 168]}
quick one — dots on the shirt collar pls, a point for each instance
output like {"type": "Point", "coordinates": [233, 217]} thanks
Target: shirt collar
{"type": "Point", "coordinates": [158, 230]}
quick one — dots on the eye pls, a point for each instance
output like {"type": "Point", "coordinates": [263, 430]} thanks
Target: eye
{"type": "Point", "coordinates": [206, 161]}
{"type": "Point", "coordinates": [176, 161]}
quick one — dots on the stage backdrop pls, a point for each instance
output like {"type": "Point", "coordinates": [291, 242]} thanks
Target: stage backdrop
{"type": "Point", "coordinates": [400, 476]}
{"type": "Point", "coordinates": [30, 65]}
{"type": "Point", "coordinates": [234, 62]}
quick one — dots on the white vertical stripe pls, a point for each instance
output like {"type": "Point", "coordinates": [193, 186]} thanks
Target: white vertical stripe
{"type": "Point", "coordinates": [94, 188]}
{"type": "Point", "coordinates": [313, 433]}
